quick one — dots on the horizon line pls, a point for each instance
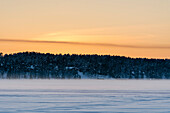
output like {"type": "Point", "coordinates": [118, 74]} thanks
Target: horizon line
{"type": "Point", "coordinates": [84, 54]}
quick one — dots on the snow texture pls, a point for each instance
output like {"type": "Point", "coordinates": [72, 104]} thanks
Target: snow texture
{"type": "Point", "coordinates": [84, 96]}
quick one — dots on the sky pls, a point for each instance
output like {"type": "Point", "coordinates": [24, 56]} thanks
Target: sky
{"type": "Point", "coordinates": [132, 28]}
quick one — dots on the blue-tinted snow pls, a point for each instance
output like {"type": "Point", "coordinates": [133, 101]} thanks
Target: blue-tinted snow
{"type": "Point", "coordinates": [84, 96]}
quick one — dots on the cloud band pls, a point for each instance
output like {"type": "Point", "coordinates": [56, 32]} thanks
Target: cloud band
{"type": "Point", "coordinates": [83, 43]}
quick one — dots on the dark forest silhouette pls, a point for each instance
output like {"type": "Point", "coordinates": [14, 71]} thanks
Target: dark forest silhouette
{"type": "Point", "coordinates": [33, 65]}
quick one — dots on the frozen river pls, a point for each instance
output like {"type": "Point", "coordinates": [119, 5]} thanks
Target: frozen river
{"type": "Point", "coordinates": [84, 96]}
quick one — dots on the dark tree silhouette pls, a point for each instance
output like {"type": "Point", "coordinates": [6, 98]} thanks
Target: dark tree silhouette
{"type": "Point", "coordinates": [33, 65]}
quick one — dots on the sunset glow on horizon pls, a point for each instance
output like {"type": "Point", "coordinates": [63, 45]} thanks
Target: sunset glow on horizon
{"type": "Point", "coordinates": [132, 28]}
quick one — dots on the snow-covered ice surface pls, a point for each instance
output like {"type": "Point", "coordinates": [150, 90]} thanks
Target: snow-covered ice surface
{"type": "Point", "coordinates": [84, 96]}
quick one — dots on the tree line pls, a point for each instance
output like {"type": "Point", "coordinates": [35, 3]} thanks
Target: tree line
{"type": "Point", "coordinates": [34, 65]}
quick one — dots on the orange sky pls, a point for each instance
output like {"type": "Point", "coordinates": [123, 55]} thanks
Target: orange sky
{"type": "Point", "coordinates": [143, 23]}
